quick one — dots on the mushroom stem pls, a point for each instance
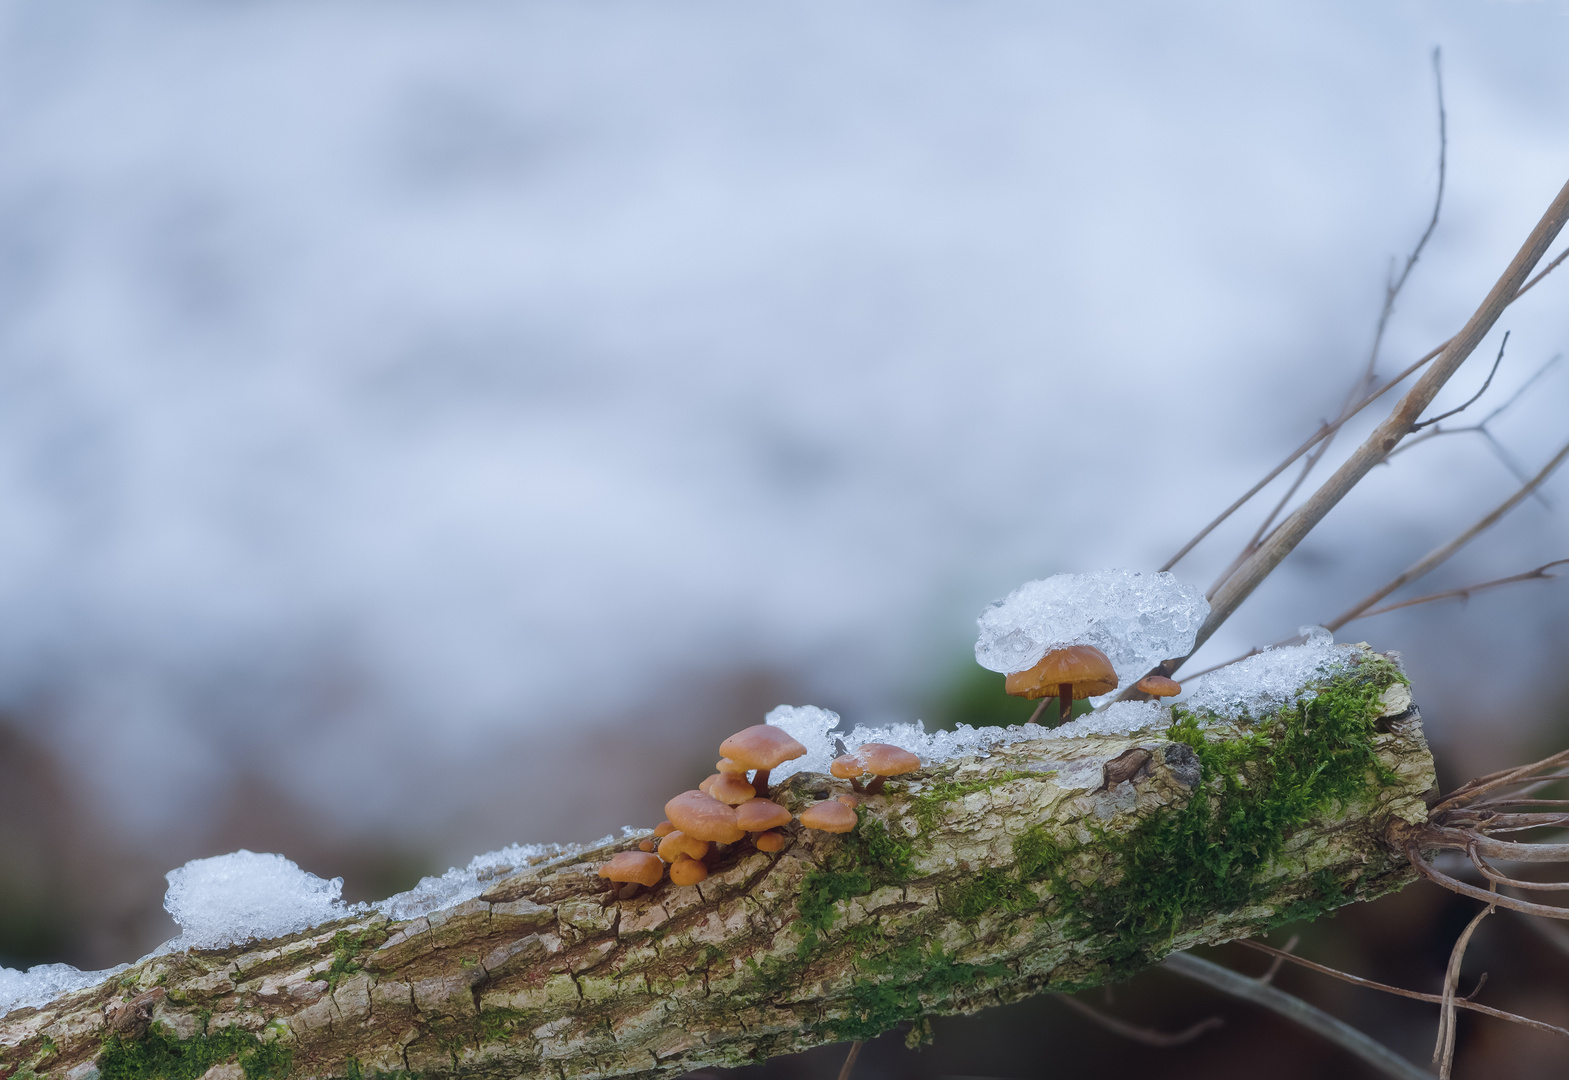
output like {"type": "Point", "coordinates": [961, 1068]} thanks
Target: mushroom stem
{"type": "Point", "coordinates": [855, 784]}
{"type": "Point", "coordinates": [1065, 694]}
{"type": "Point", "coordinates": [1035, 717]}
{"type": "Point", "coordinates": [760, 783]}
{"type": "Point", "coordinates": [876, 785]}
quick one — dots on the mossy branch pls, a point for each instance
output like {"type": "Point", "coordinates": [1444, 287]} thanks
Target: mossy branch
{"type": "Point", "coordinates": [1052, 864]}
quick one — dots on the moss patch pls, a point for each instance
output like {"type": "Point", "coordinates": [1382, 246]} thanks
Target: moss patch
{"type": "Point", "coordinates": [347, 949]}
{"type": "Point", "coordinates": [1213, 853]}
{"type": "Point", "coordinates": [868, 858]}
{"type": "Point", "coordinates": [904, 976]}
{"type": "Point", "coordinates": [157, 1055]}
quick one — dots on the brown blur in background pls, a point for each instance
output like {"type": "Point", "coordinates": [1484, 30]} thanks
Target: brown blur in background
{"type": "Point", "coordinates": [407, 409]}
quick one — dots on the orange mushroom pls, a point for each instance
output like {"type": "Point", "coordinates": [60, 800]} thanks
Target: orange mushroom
{"type": "Point", "coordinates": [883, 761]}
{"type": "Point", "coordinates": [732, 789]}
{"type": "Point", "coordinates": [770, 841]}
{"type": "Point", "coordinates": [760, 815]}
{"type": "Point", "coordinates": [634, 867]}
{"type": "Point", "coordinates": [664, 828]}
{"type": "Point", "coordinates": [687, 871]}
{"type": "Point", "coordinates": [1068, 674]}
{"type": "Point", "coordinates": [830, 815]}
{"type": "Point", "coordinates": [725, 765]}
{"type": "Point", "coordinates": [763, 748]}
{"type": "Point", "coordinates": [704, 817]}
{"type": "Point", "coordinates": [709, 782]}
{"type": "Point", "coordinates": [1158, 686]}
{"type": "Point", "coordinates": [679, 843]}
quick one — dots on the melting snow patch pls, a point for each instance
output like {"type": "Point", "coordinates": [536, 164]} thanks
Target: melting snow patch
{"type": "Point", "coordinates": [809, 726]}
{"type": "Point", "coordinates": [1118, 718]}
{"type": "Point", "coordinates": [1262, 684]}
{"type": "Point", "coordinates": [460, 884]}
{"type": "Point", "coordinates": [231, 899]}
{"type": "Point", "coordinates": [42, 984]}
{"type": "Point", "coordinates": [1136, 619]}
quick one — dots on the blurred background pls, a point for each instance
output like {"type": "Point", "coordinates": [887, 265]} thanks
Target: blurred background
{"type": "Point", "coordinates": [405, 408]}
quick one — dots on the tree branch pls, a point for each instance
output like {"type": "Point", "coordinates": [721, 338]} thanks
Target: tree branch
{"type": "Point", "coordinates": [980, 880]}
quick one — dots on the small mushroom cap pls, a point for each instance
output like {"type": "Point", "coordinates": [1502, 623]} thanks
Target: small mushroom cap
{"type": "Point", "coordinates": [732, 789]}
{"type": "Point", "coordinates": [664, 828]}
{"type": "Point", "coordinates": [770, 841]}
{"type": "Point", "coordinates": [725, 765]}
{"type": "Point", "coordinates": [1158, 686]}
{"type": "Point", "coordinates": [638, 866]}
{"type": "Point", "coordinates": [646, 845]}
{"type": "Point", "coordinates": [706, 784]}
{"type": "Point", "coordinates": [760, 815]}
{"type": "Point", "coordinates": [704, 817]}
{"type": "Point", "coordinates": [685, 871]}
{"type": "Point", "coordinates": [830, 815]}
{"type": "Point", "coordinates": [1084, 666]}
{"type": "Point", "coordinates": [761, 747]}
{"type": "Point", "coordinates": [884, 760]}
{"type": "Point", "coordinates": [678, 844]}
{"type": "Point", "coordinates": [847, 767]}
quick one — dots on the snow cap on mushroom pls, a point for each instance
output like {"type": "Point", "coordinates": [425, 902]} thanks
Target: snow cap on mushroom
{"type": "Point", "coordinates": [1136, 619]}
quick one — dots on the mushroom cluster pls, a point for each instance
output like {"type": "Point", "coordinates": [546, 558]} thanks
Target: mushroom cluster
{"type": "Point", "coordinates": [732, 807]}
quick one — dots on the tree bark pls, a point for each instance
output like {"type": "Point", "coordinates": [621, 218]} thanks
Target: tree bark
{"type": "Point", "coordinates": [1053, 863]}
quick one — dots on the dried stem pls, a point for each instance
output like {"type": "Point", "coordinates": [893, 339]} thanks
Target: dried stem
{"type": "Point", "coordinates": [849, 1060]}
{"type": "Point", "coordinates": [1281, 956]}
{"type": "Point", "coordinates": [1474, 398]}
{"type": "Point", "coordinates": [1464, 592]}
{"type": "Point", "coordinates": [1296, 1010]}
{"type": "Point", "coordinates": [1389, 433]}
{"type": "Point", "coordinates": [1147, 1036]}
{"type": "Point", "coordinates": [1438, 555]}
{"type": "Point", "coordinates": [1444, 1050]}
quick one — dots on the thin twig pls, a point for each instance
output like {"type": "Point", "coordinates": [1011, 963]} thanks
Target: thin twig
{"type": "Point", "coordinates": [1369, 377]}
{"type": "Point", "coordinates": [1281, 956]}
{"type": "Point", "coordinates": [1438, 877]}
{"type": "Point", "coordinates": [1388, 433]}
{"type": "Point", "coordinates": [849, 1060]}
{"type": "Point", "coordinates": [1147, 1036]}
{"type": "Point", "coordinates": [1444, 1050]}
{"type": "Point", "coordinates": [1440, 554]}
{"type": "Point", "coordinates": [1297, 1011]}
{"type": "Point", "coordinates": [1464, 593]}
{"type": "Point", "coordinates": [1474, 398]}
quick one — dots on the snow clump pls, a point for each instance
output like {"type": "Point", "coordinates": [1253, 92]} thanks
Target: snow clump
{"type": "Point", "coordinates": [42, 984]}
{"type": "Point", "coordinates": [1136, 619]}
{"type": "Point", "coordinates": [809, 726]}
{"type": "Point", "coordinates": [1276, 677]}
{"type": "Point", "coordinates": [1118, 718]}
{"type": "Point", "coordinates": [460, 884]}
{"type": "Point", "coordinates": [231, 899]}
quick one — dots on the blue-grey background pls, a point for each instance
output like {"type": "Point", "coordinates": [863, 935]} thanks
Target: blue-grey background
{"type": "Point", "coordinates": [427, 426]}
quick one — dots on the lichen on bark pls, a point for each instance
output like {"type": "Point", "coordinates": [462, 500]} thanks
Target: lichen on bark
{"type": "Point", "coordinates": [1051, 864]}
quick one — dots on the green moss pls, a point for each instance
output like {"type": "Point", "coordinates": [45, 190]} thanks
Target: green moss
{"type": "Point", "coordinates": [926, 806]}
{"type": "Point", "coordinates": [869, 857]}
{"type": "Point", "coordinates": [1212, 853]}
{"type": "Point", "coordinates": [347, 950]}
{"type": "Point", "coordinates": [904, 977]}
{"type": "Point", "coordinates": [157, 1055]}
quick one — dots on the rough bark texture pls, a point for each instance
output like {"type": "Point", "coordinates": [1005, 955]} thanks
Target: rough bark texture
{"type": "Point", "coordinates": [1052, 864]}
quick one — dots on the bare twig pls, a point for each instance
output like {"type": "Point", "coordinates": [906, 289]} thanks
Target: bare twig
{"type": "Point", "coordinates": [849, 1060]}
{"type": "Point", "coordinates": [1444, 1049]}
{"type": "Point", "coordinates": [1438, 555]}
{"type": "Point", "coordinates": [1464, 592]}
{"type": "Point", "coordinates": [1369, 376]}
{"type": "Point", "coordinates": [1297, 1011]}
{"type": "Point", "coordinates": [1147, 1036]}
{"type": "Point", "coordinates": [1474, 398]}
{"type": "Point", "coordinates": [1387, 435]}
{"type": "Point", "coordinates": [1281, 956]}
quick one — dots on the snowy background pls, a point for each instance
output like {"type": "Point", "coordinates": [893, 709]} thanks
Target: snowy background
{"type": "Point", "coordinates": [405, 408]}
